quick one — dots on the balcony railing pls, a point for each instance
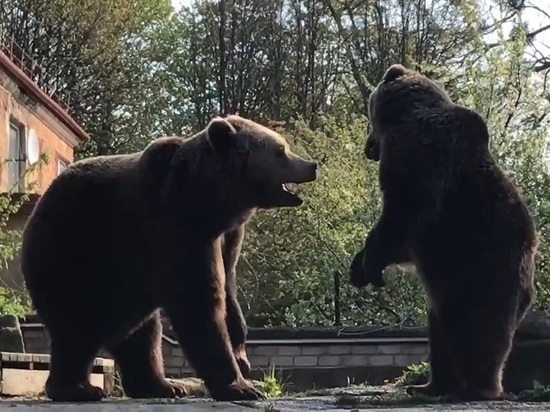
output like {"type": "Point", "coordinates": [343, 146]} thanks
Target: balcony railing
{"type": "Point", "coordinates": [33, 70]}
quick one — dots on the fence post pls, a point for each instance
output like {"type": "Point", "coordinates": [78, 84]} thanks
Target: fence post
{"type": "Point", "coordinates": [337, 321]}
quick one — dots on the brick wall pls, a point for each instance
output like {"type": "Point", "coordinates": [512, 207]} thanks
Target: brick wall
{"type": "Point", "coordinates": [304, 362]}
{"type": "Point", "coordinates": [50, 132]}
{"type": "Point", "coordinates": [54, 139]}
{"type": "Point", "coordinates": [315, 354]}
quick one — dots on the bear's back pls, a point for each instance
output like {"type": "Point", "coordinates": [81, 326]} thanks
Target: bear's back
{"type": "Point", "coordinates": [84, 213]}
{"type": "Point", "coordinates": [87, 188]}
{"type": "Point", "coordinates": [482, 231]}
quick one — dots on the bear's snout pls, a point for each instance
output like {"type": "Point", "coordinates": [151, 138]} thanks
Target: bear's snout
{"type": "Point", "coordinates": [314, 170]}
{"type": "Point", "coordinates": [302, 171]}
{"type": "Point", "coordinates": [372, 149]}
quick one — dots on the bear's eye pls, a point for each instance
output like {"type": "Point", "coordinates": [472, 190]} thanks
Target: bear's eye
{"type": "Point", "coordinates": [281, 151]}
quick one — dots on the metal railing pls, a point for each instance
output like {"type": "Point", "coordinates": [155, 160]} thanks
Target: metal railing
{"type": "Point", "coordinates": [33, 70]}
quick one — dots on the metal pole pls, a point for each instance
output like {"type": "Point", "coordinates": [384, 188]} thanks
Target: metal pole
{"type": "Point", "coordinates": [337, 321]}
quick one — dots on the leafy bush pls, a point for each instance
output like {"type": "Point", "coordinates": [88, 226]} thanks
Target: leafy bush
{"type": "Point", "coordinates": [415, 374]}
{"type": "Point", "coordinates": [12, 301]}
{"type": "Point", "coordinates": [273, 386]}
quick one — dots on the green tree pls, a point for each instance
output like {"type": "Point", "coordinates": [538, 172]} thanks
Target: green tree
{"type": "Point", "coordinates": [93, 56]}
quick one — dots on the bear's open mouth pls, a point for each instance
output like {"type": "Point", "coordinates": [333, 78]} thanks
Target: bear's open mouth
{"type": "Point", "coordinates": [285, 194]}
{"type": "Point", "coordinates": [290, 192]}
{"type": "Point", "coordinates": [291, 188]}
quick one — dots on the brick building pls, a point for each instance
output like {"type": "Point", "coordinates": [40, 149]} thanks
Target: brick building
{"type": "Point", "coordinates": [30, 119]}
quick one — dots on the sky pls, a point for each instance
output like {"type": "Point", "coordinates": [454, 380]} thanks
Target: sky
{"type": "Point", "coordinates": [178, 3]}
{"type": "Point", "coordinates": [537, 20]}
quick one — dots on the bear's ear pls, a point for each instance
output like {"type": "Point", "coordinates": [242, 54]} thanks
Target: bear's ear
{"type": "Point", "coordinates": [395, 71]}
{"type": "Point", "coordinates": [221, 135]}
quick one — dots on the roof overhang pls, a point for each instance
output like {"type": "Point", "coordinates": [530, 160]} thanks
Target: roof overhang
{"type": "Point", "coordinates": [30, 88]}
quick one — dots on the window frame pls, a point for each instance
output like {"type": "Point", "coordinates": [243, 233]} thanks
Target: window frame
{"type": "Point", "coordinates": [21, 158]}
{"type": "Point", "coordinates": [61, 161]}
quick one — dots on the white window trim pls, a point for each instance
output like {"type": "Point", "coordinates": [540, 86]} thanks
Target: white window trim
{"type": "Point", "coordinates": [61, 165]}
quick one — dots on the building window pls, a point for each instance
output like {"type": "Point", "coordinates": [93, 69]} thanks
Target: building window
{"type": "Point", "coordinates": [16, 157]}
{"type": "Point", "coordinates": [61, 165]}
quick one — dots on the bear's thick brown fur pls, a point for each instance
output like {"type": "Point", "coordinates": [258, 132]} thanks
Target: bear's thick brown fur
{"type": "Point", "coordinates": [449, 209]}
{"type": "Point", "coordinates": [116, 238]}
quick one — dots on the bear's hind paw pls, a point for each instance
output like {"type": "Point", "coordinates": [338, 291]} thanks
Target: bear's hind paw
{"type": "Point", "coordinates": [167, 388]}
{"type": "Point", "coordinates": [240, 391]}
{"type": "Point", "coordinates": [85, 392]}
{"type": "Point", "coordinates": [480, 395]}
{"type": "Point", "coordinates": [428, 389]}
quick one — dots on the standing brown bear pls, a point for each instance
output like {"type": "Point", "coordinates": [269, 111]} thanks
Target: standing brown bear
{"type": "Point", "coordinates": [449, 209]}
{"type": "Point", "coordinates": [116, 238]}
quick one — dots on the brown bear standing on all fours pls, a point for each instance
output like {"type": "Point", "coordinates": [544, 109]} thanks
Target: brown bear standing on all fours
{"type": "Point", "coordinates": [450, 210]}
{"type": "Point", "coordinates": [115, 238]}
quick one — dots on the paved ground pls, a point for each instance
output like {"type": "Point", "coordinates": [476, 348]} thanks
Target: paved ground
{"type": "Point", "coordinates": [281, 405]}
{"type": "Point", "coordinates": [336, 400]}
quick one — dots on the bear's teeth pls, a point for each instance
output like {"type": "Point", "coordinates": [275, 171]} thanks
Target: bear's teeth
{"type": "Point", "coordinates": [288, 189]}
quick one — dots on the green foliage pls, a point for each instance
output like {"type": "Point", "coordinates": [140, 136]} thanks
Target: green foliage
{"type": "Point", "coordinates": [539, 393]}
{"type": "Point", "coordinates": [14, 301]}
{"type": "Point", "coordinates": [272, 383]}
{"type": "Point", "coordinates": [415, 374]}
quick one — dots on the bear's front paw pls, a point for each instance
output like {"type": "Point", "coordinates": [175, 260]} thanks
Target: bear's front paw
{"type": "Point", "coordinates": [357, 274]}
{"type": "Point", "coordinates": [161, 388]}
{"type": "Point", "coordinates": [239, 391]}
{"type": "Point", "coordinates": [362, 274]}
{"type": "Point", "coordinates": [377, 281]}
{"type": "Point", "coordinates": [178, 388]}
{"type": "Point", "coordinates": [242, 361]}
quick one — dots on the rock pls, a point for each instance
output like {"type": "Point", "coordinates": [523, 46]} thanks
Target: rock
{"type": "Point", "coordinates": [11, 338]}
{"type": "Point", "coordinates": [535, 326]}
{"type": "Point", "coordinates": [529, 360]}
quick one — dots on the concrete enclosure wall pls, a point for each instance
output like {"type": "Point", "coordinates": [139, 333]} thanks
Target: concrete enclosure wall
{"type": "Point", "coordinates": [304, 363]}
